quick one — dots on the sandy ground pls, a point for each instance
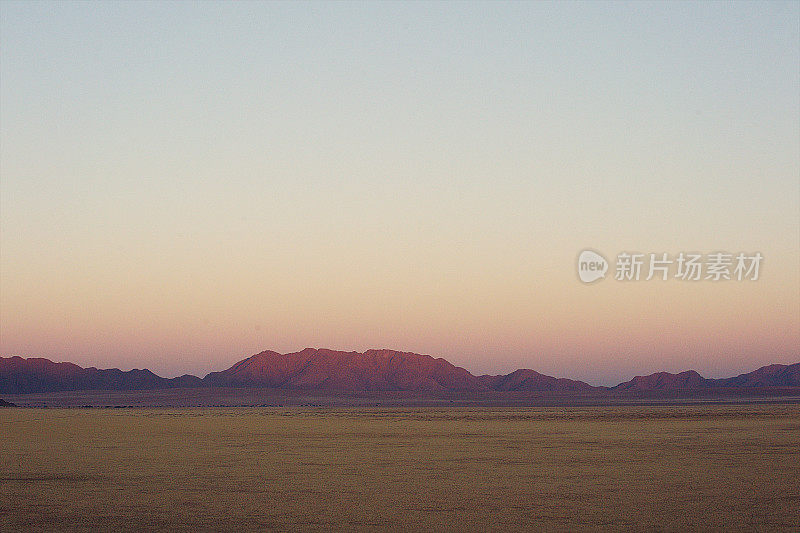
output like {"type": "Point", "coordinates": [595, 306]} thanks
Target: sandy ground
{"type": "Point", "coordinates": [691, 467]}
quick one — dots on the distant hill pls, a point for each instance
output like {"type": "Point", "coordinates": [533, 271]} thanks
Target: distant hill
{"type": "Point", "coordinates": [530, 380]}
{"type": "Point", "coordinates": [662, 381]}
{"type": "Point", "coordinates": [4, 403]}
{"type": "Point", "coordinates": [373, 370]}
{"type": "Point", "coordinates": [319, 369]}
{"type": "Point", "coordinates": [766, 376]}
{"type": "Point", "coordinates": [21, 376]}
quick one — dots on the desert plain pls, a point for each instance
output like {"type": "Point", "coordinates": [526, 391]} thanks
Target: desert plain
{"type": "Point", "coordinates": [730, 466]}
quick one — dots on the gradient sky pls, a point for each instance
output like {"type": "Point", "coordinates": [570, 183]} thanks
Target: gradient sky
{"type": "Point", "coordinates": [185, 184]}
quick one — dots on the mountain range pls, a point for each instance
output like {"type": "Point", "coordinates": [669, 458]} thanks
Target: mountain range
{"type": "Point", "coordinates": [373, 370]}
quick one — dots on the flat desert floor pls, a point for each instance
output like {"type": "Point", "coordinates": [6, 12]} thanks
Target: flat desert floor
{"type": "Point", "coordinates": [721, 467]}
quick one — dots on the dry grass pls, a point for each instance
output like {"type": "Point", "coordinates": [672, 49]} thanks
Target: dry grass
{"type": "Point", "coordinates": [617, 468]}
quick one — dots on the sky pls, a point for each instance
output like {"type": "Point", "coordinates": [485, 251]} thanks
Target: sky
{"type": "Point", "coordinates": [185, 184]}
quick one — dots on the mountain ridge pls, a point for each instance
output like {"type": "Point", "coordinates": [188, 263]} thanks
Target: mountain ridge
{"type": "Point", "coordinates": [321, 369]}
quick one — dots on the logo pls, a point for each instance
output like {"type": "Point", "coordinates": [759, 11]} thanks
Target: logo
{"type": "Point", "coordinates": [591, 266]}
{"type": "Point", "coordinates": [685, 266]}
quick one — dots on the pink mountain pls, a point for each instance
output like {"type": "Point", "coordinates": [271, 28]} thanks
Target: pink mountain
{"type": "Point", "coordinates": [373, 370]}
